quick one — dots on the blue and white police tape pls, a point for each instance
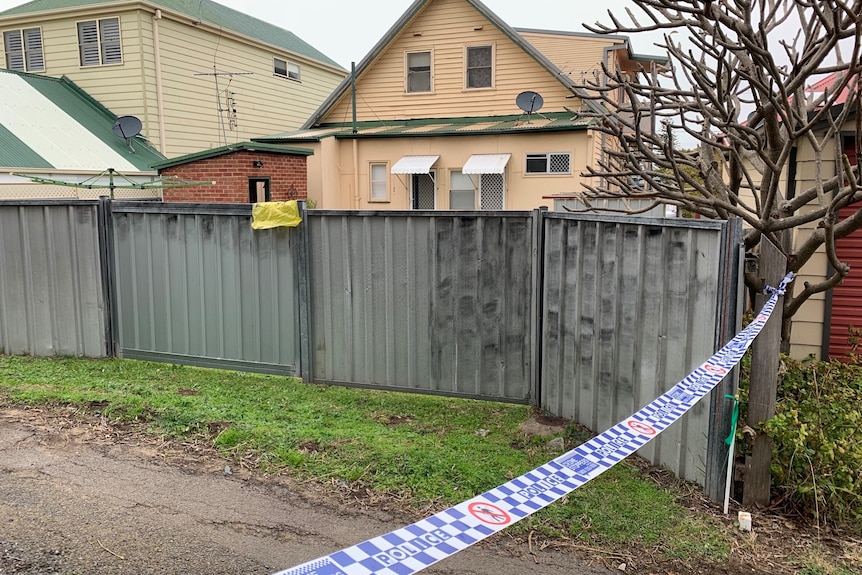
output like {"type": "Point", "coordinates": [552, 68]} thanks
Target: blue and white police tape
{"type": "Point", "coordinates": [420, 545]}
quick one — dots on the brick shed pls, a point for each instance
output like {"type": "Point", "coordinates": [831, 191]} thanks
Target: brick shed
{"type": "Point", "coordinates": [246, 172]}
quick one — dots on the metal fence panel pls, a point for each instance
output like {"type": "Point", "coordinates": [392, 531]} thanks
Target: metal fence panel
{"type": "Point", "coordinates": [195, 284]}
{"type": "Point", "coordinates": [438, 302]}
{"type": "Point", "coordinates": [51, 299]}
{"type": "Point", "coordinates": [629, 308]}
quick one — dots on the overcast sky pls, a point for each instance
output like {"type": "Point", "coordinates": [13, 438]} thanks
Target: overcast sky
{"type": "Point", "coordinates": [345, 30]}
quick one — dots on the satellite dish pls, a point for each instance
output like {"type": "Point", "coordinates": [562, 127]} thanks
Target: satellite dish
{"type": "Point", "coordinates": [530, 101]}
{"type": "Point", "coordinates": [127, 127]}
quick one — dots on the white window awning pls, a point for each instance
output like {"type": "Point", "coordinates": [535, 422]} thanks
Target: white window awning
{"type": "Point", "coordinates": [414, 165]}
{"type": "Point", "coordinates": [486, 164]}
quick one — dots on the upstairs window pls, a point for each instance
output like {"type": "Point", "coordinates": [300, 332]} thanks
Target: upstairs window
{"type": "Point", "coordinates": [99, 42]}
{"type": "Point", "coordinates": [550, 163]}
{"type": "Point", "coordinates": [480, 62]}
{"type": "Point", "coordinates": [285, 69]}
{"type": "Point", "coordinates": [418, 72]}
{"type": "Point", "coordinates": [24, 50]}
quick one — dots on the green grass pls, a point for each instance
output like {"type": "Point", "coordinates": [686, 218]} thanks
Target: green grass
{"type": "Point", "coordinates": [425, 448]}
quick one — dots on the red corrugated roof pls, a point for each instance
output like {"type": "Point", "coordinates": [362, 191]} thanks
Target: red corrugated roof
{"type": "Point", "coordinates": [826, 83]}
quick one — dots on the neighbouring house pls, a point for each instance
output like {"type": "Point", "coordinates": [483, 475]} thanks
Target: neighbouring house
{"type": "Point", "coordinates": [822, 326]}
{"type": "Point", "coordinates": [197, 74]}
{"type": "Point", "coordinates": [248, 172]}
{"type": "Point", "coordinates": [52, 131]}
{"type": "Point", "coordinates": [455, 109]}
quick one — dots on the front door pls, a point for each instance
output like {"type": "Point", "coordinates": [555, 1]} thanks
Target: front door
{"type": "Point", "coordinates": [423, 191]}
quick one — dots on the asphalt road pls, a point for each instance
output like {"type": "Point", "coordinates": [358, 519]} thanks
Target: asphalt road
{"type": "Point", "coordinates": [79, 498]}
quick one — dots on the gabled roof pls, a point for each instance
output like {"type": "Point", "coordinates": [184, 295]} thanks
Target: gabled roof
{"type": "Point", "coordinates": [50, 123]}
{"type": "Point", "coordinates": [230, 149]}
{"type": "Point", "coordinates": [438, 127]}
{"type": "Point", "coordinates": [405, 19]}
{"type": "Point", "coordinates": [201, 10]}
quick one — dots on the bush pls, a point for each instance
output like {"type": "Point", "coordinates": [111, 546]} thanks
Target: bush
{"type": "Point", "coordinates": [817, 442]}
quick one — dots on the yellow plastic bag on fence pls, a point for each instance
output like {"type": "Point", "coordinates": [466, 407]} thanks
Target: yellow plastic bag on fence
{"type": "Point", "coordinates": [268, 215]}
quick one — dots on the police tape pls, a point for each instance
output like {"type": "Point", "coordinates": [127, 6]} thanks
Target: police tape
{"type": "Point", "coordinates": [410, 549]}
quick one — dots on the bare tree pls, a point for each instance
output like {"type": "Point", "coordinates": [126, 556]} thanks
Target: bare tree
{"type": "Point", "coordinates": [728, 58]}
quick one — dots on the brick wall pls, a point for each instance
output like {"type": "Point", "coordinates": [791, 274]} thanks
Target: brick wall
{"type": "Point", "coordinates": [230, 172]}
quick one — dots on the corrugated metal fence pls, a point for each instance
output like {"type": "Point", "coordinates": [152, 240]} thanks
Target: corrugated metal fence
{"type": "Point", "coordinates": [51, 288]}
{"type": "Point", "coordinates": [589, 317]}
{"type": "Point", "coordinates": [195, 284]}
{"type": "Point", "coordinates": [631, 306]}
{"type": "Point", "coordinates": [430, 301]}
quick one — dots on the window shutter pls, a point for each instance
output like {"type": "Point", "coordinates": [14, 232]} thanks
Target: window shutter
{"type": "Point", "coordinates": [33, 49]}
{"type": "Point", "coordinates": [88, 41]}
{"type": "Point", "coordinates": [14, 50]}
{"type": "Point", "coordinates": [109, 31]}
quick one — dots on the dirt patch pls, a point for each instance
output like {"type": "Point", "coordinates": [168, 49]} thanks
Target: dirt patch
{"type": "Point", "coordinates": [544, 426]}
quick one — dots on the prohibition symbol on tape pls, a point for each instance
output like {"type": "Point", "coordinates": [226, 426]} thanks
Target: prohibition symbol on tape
{"type": "Point", "coordinates": [762, 317]}
{"type": "Point", "coordinates": [715, 369]}
{"type": "Point", "coordinates": [487, 513]}
{"type": "Point", "coordinates": [641, 427]}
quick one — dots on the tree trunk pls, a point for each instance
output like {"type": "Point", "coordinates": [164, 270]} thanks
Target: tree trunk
{"type": "Point", "coordinates": [765, 356]}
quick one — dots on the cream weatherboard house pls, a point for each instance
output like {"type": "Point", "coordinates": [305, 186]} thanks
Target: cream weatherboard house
{"type": "Point", "coordinates": [824, 325]}
{"type": "Point", "coordinates": [455, 109]}
{"type": "Point", "coordinates": [197, 74]}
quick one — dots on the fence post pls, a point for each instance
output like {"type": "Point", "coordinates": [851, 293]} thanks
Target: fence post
{"type": "Point", "coordinates": [765, 358]}
{"type": "Point", "coordinates": [105, 224]}
{"type": "Point", "coordinates": [729, 322]}
{"type": "Point", "coordinates": [538, 273]}
{"type": "Point", "coordinates": [303, 278]}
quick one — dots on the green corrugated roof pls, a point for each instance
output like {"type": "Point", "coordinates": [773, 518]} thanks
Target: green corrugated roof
{"type": "Point", "coordinates": [204, 10]}
{"type": "Point", "coordinates": [83, 109]}
{"type": "Point", "coordinates": [229, 149]}
{"type": "Point", "coordinates": [436, 127]}
{"type": "Point", "coordinates": [16, 154]}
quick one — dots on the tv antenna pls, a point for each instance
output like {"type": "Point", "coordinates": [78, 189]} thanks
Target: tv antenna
{"type": "Point", "coordinates": [229, 104]}
{"type": "Point", "coordinates": [530, 103]}
{"type": "Point", "coordinates": [127, 127]}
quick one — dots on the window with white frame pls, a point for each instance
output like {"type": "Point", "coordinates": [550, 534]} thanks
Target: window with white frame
{"type": "Point", "coordinates": [99, 42]}
{"type": "Point", "coordinates": [549, 163]}
{"type": "Point", "coordinates": [285, 69]}
{"type": "Point", "coordinates": [24, 50]}
{"type": "Point", "coordinates": [379, 173]}
{"type": "Point", "coordinates": [479, 67]}
{"type": "Point", "coordinates": [418, 72]}
{"type": "Point", "coordinates": [462, 191]}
